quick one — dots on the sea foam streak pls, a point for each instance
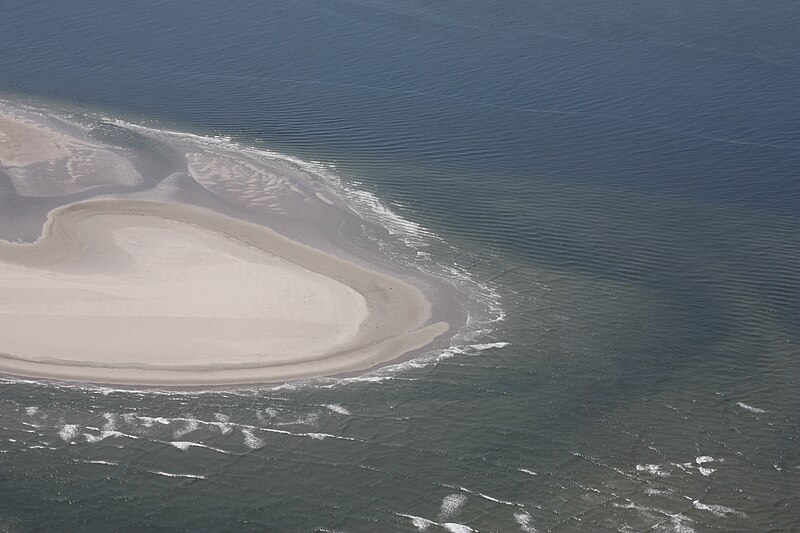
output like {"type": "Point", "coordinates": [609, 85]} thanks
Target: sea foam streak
{"type": "Point", "coordinates": [185, 445]}
{"type": "Point", "coordinates": [168, 474]}
{"type": "Point", "coordinates": [751, 408]}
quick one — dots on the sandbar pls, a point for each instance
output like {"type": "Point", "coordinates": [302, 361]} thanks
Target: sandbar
{"type": "Point", "coordinates": [164, 294]}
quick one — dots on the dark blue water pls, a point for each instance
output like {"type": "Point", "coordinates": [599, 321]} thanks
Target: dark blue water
{"type": "Point", "coordinates": [625, 174]}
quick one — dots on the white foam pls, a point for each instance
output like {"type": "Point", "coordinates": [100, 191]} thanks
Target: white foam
{"type": "Point", "coordinates": [167, 474]}
{"type": "Point", "coordinates": [751, 408]}
{"type": "Point", "coordinates": [96, 438]}
{"type": "Point", "coordinates": [652, 469]}
{"type": "Point", "coordinates": [454, 527]}
{"type": "Point", "coordinates": [307, 420]}
{"type": "Point", "coordinates": [484, 496]}
{"type": "Point", "coordinates": [451, 505]}
{"type": "Point", "coordinates": [680, 524]}
{"type": "Point", "coordinates": [707, 471]}
{"type": "Point", "coordinates": [482, 347]}
{"type": "Point", "coordinates": [222, 423]}
{"type": "Point", "coordinates": [110, 421]}
{"type": "Point", "coordinates": [366, 378]}
{"type": "Point", "coordinates": [106, 434]}
{"type": "Point", "coordinates": [223, 428]}
{"type": "Point", "coordinates": [278, 431]}
{"type": "Point", "coordinates": [30, 411]}
{"type": "Point", "coordinates": [68, 432]}
{"type": "Point", "coordinates": [703, 459]}
{"type": "Point", "coordinates": [371, 205]}
{"type": "Point", "coordinates": [185, 445]}
{"type": "Point", "coordinates": [149, 421]}
{"type": "Point", "coordinates": [495, 500]}
{"type": "Point", "coordinates": [718, 510]}
{"type": "Point", "coordinates": [191, 426]}
{"type": "Point", "coordinates": [422, 524]}
{"type": "Point", "coordinates": [320, 436]}
{"type": "Point", "coordinates": [336, 408]}
{"type": "Point", "coordinates": [524, 521]}
{"type": "Point", "coordinates": [652, 514]}
{"type": "Point", "coordinates": [250, 440]}
{"type": "Point", "coordinates": [98, 462]}
{"type": "Point", "coordinates": [526, 471]}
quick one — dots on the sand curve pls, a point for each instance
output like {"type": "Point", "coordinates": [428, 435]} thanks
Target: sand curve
{"type": "Point", "coordinates": [134, 292]}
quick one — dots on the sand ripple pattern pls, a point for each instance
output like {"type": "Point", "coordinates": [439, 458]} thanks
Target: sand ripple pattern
{"type": "Point", "coordinates": [240, 181]}
{"type": "Point", "coordinates": [43, 162]}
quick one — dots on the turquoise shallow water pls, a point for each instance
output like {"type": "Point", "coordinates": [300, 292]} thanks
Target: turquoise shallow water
{"type": "Point", "coordinates": [623, 175]}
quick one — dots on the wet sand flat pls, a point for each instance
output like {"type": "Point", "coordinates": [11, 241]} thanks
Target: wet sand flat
{"type": "Point", "coordinates": [42, 161]}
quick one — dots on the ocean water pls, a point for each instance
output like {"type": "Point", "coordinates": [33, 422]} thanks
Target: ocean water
{"type": "Point", "coordinates": [618, 182]}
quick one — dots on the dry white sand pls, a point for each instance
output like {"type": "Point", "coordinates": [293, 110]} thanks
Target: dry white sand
{"type": "Point", "coordinates": [146, 293]}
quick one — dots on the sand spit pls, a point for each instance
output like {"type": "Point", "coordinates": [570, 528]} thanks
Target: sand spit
{"type": "Point", "coordinates": [133, 292]}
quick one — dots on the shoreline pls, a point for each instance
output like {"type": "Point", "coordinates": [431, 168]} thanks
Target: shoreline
{"type": "Point", "coordinates": [392, 323]}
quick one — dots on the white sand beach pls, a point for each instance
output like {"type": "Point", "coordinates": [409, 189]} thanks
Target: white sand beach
{"type": "Point", "coordinates": [133, 292]}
